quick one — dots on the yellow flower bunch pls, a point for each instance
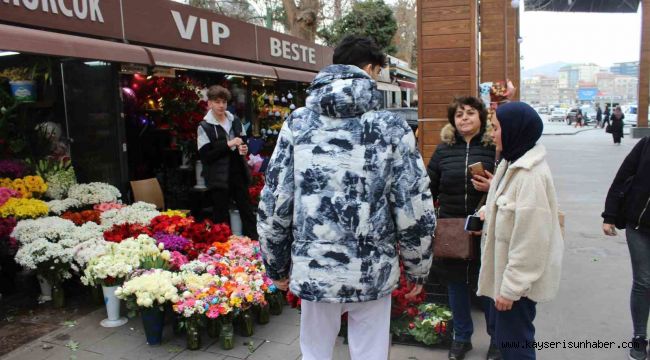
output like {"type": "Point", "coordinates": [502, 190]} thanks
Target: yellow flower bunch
{"type": "Point", "coordinates": [24, 208]}
{"type": "Point", "coordinates": [171, 213]}
{"type": "Point", "coordinates": [29, 186]}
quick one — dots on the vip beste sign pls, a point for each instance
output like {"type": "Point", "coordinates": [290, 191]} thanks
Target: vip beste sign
{"type": "Point", "coordinates": [170, 25]}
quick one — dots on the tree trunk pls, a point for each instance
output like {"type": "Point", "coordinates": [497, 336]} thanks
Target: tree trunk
{"type": "Point", "coordinates": [302, 19]}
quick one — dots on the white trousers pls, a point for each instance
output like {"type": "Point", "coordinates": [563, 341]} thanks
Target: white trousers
{"type": "Point", "coordinates": [368, 329]}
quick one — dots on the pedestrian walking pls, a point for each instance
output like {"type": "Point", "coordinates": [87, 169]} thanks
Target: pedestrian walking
{"type": "Point", "coordinates": [616, 128]}
{"type": "Point", "coordinates": [599, 115]}
{"type": "Point", "coordinates": [522, 246]}
{"type": "Point", "coordinates": [465, 140]}
{"type": "Point", "coordinates": [628, 207]}
{"type": "Point", "coordinates": [579, 118]}
{"type": "Point", "coordinates": [606, 115]}
{"type": "Point", "coordinates": [346, 196]}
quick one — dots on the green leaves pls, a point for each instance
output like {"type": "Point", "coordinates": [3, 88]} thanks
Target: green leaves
{"type": "Point", "coordinates": [371, 18]}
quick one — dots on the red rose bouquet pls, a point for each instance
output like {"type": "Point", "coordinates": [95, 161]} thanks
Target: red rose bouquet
{"type": "Point", "coordinates": [117, 233]}
{"type": "Point", "coordinates": [82, 217]}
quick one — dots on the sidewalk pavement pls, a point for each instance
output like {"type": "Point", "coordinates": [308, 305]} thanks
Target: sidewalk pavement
{"type": "Point", "coordinates": [85, 339]}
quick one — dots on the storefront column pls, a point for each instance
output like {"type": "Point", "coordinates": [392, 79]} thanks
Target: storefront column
{"type": "Point", "coordinates": [447, 63]}
{"type": "Point", "coordinates": [644, 74]}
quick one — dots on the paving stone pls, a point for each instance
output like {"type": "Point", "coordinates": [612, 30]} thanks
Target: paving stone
{"type": "Point", "coordinates": [78, 355]}
{"type": "Point", "coordinates": [241, 349]}
{"type": "Point", "coordinates": [289, 316]}
{"type": "Point", "coordinates": [165, 351]}
{"type": "Point", "coordinates": [85, 336]}
{"type": "Point", "coordinates": [278, 332]}
{"type": "Point", "coordinates": [35, 352]}
{"type": "Point", "coordinates": [198, 355]}
{"type": "Point", "coordinates": [276, 351]}
{"type": "Point", "coordinates": [117, 345]}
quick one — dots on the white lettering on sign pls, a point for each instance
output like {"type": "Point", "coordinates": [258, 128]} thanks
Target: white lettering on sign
{"type": "Point", "coordinates": [80, 8]}
{"type": "Point", "coordinates": [292, 51]}
{"type": "Point", "coordinates": [186, 30]}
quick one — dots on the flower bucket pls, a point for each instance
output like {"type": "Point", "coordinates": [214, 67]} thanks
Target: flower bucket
{"type": "Point", "coordinates": [263, 314]}
{"type": "Point", "coordinates": [245, 323]}
{"type": "Point", "coordinates": [23, 91]}
{"type": "Point", "coordinates": [193, 334]}
{"type": "Point", "coordinates": [275, 302]}
{"type": "Point", "coordinates": [153, 320]}
{"type": "Point", "coordinates": [46, 289]}
{"type": "Point", "coordinates": [112, 308]}
{"type": "Point", "coordinates": [200, 181]}
{"type": "Point", "coordinates": [177, 324]}
{"type": "Point", "coordinates": [235, 223]}
{"type": "Point", "coordinates": [227, 335]}
{"type": "Point", "coordinates": [58, 296]}
{"type": "Point", "coordinates": [214, 328]}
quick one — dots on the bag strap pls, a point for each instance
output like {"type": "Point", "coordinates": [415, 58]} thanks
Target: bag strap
{"type": "Point", "coordinates": [481, 203]}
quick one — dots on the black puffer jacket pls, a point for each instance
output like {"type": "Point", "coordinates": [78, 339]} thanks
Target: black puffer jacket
{"type": "Point", "coordinates": [451, 185]}
{"type": "Point", "coordinates": [637, 197]}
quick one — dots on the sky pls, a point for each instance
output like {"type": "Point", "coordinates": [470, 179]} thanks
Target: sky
{"type": "Point", "coordinates": [600, 38]}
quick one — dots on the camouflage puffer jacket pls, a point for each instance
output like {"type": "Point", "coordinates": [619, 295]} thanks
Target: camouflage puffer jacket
{"type": "Point", "coordinates": [346, 194]}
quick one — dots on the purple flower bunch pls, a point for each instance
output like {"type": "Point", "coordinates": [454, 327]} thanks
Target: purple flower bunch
{"type": "Point", "coordinates": [172, 242]}
{"type": "Point", "coordinates": [12, 168]}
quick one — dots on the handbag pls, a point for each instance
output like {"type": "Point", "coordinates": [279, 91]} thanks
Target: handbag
{"type": "Point", "coordinates": [608, 129]}
{"type": "Point", "coordinates": [621, 218]}
{"type": "Point", "coordinates": [451, 241]}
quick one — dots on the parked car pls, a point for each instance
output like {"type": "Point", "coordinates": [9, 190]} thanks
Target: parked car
{"type": "Point", "coordinates": [557, 115]}
{"type": "Point", "coordinates": [571, 117]}
{"type": "Point", "coordinates": [542, 110]}
{"type": "Point", "coordinates": [630, 113]}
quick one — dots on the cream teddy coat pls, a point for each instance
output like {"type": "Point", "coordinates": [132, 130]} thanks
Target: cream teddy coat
{"type": "Point", "coordinates": [522, 244]}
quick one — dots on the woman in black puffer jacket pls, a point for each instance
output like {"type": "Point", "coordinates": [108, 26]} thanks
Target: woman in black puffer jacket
{"type": "Point", "coordinates": [465, 140]}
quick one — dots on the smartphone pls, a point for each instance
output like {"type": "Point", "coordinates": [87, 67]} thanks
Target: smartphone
{"type": "Point", "coordinates": [477, 169]}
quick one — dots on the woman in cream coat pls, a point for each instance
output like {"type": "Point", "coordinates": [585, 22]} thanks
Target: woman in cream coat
{"type": "Point", "coordinates": [522, 244]}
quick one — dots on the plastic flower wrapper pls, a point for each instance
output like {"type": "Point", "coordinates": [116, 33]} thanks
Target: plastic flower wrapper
{"type": "Point", "coordinates": [152, 288]}
{"type": "Point", "coordinates": [58, 207]}
{"type": "Point", "coordinates": [94, 193]}
{"type": "Point", "coordinates": [139, 213]}
{"type": "Point", "coordinates": [110, 268]}
{"type": "Point", "coordinates": [23, 208]}
{"type": "Point", "coordinates": [52, 229]}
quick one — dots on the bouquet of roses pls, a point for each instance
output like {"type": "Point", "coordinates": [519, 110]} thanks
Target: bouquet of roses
{"type": "Point", "coordinates": [429, 326]}
{"type": "Point", "coordinates": [256, 187]}
{"type": "Point", "coordinates": [400, 304]}
{"type": "Point", "coordinates": [94, 193]}
{"type": "Point", "coordinates": [82, 217]}
{"type": "Point", "coordinates": [58, 207]}
{"type": "Point", "coordinates": [203, 235]}
{"type": "Point", "coordinates": [24, 208]}
{"type": "Point", "coordinates": [139, 213]}
{"type": "Point", "coordinates": [171, 224]}
{"type": "Point", "coordinates": [148, 289]}
{"type": "Point", "coordinates": [117, 233]}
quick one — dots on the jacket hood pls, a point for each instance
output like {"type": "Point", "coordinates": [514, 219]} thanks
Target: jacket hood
{"type": "Point", "coordinates": [449, 135]}
{"type": "Point", "coordinates": [342, 91]}
{"type": "Point", "coordinates": [210, 119]}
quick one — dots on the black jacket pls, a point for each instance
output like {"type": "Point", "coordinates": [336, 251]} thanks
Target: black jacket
{"type": "Point", "coordinates": [451, 185]}
{"type": "Point", "coordinates": [222, 165]}
{"type": "Point", "coordinates": [637, 197]}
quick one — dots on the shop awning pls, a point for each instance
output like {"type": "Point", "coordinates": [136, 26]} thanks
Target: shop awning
{"type": "Point", "coordinates": [13, 38]}
{"type": "Point", "coordinates": [295, 75]}
{"type": "Point", "coordinates": [185, 60]}
{"type": "Point", "coordinates": [387, 87]}
{"type": "Point", "coordinates": [406, 84]}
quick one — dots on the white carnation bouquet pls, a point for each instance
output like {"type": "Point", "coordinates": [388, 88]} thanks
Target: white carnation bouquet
{"type": "Point", "coordinates": [138, 213]}
{"type": "Point", "coordinates": [94, 193]}
{"type": "Point", "coordinates": [52, 229]}
{"type": "Point", "coordinates": [58, 207]}
{"type": "Point", "coordinates": [109, 269]}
